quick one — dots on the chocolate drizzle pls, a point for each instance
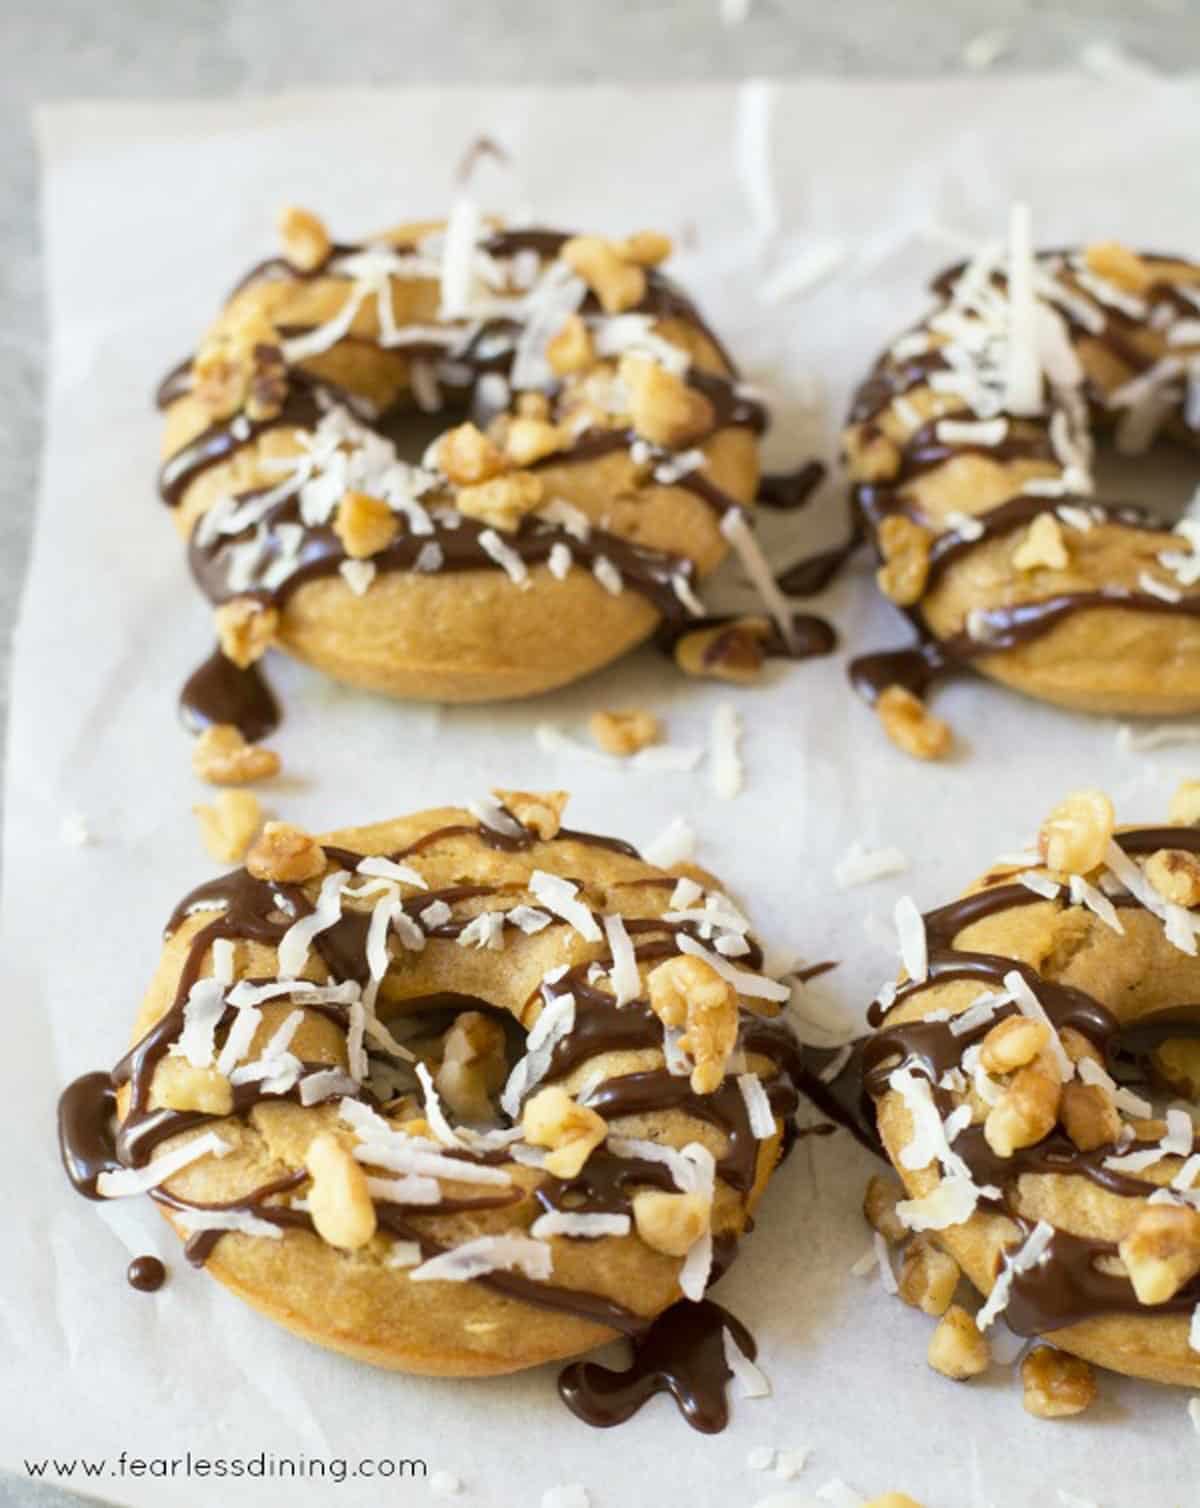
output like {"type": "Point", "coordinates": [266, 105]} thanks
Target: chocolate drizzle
{"type": "Point", "coordinates": [221, 692]}
{"type": "Point", "coordinates": [146, 1274]}
{"type": "Point", "coordinates": [1067, 1285]}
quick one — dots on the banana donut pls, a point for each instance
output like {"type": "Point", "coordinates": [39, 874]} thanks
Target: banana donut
{"type": "Point", "coordinates": [1012, 1070]}
{"type": "Point", "coordinates": [970, 452]}
{"type": "Point", "coordinates": [592, 456]}
{"type": "Point", "coordinates": [455, 1094]}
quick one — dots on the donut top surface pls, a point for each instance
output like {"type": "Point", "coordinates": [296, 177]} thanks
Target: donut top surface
{"type": "Point", "coordinates": [332, 1017]}
{"type": "Point", "coordinates": [970, 447]}
{"type": "Point", "coordinates": [565, 354]}
{"type": "Point", "coordinates": [1011, 1071]}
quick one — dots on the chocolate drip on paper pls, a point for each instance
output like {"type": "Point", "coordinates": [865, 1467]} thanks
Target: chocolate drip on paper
{"type": "Point", "coordinates": [221, 692]}
{"type": "Point", "coordinates": [146, 1274]}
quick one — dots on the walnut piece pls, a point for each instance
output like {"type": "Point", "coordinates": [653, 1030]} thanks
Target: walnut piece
{"type": "Point", "coordinates": [1120, 265]}
{"type": "Point", "coordinates": [539, 811]}
{"type": "Point", "coordinates": [527, 441]}
{"type": "Point", "coordinates": [733, 651]}
{"type": "Point", "coordinates": [1024, 1113]}
{"type": "Point", "coordinates": [1074, 837]}
{"type": "Point", "coordinates": [1177, 1063]}
{"type": "Point", "coordinates": [1161, 1251]}
{"type": "Point", "coordinates": [1056, 1385]}
{"type": "Point", "coordinates": [687, 991]}
{"type": "Point", "coordinates": [670, 1223]}
{"type": "Point", "coordinates": [227, 826]}
{"type": "Point", "coordinates": [958, 1349]}
{"type": "Point", "coordinates": [223, 757]}
{"type": "Point", "coordinates": [504, 501]}
{"type": "Point", "coordinates": [338, 1200]}
{"type": "Point", "coordinates": [551, 1118]}
{"type": "Point", "coordinates": [625, 732]}
{"type": "Point", "coordinates": [905, 547]}
{"type": "Point", "coordinates": [225, 367]}
{"type": "Point", "coordinates": [1012, 1043]}
{"type": "Point", "coordinates": [1175, 874]}
{"type": "Point", "coordinates": [910, 725]}
{"type": "Point", "coordinates": [879, 1208]}
{"type": "Point", "coordinates": [285, 854]}
{"type": "Point", "coordinates": [474, 1066]}
{"type": "Point", "coordinates": [571, 349]}
{"type": "Point", "coordinates": [365, 525]}
{"type": "Point", "coordinates": [663, 408]}
{"type": "Point", "coordinates": [306, 242]}
{"type": "Point", "coordinates": [617, 283]}
{"type": "Point", "coordinates": [894, 1500]}
{"type": "Point", "coordinates": [177, 1085]}
{"type": "Point", "coordinates": [1042, 545]}
{"type": "Point", "coordinates": [927, 1277]}
{"type": "Point", "coordinates": [646, 247]}
{"type": "Point", "coordinates": [245, 630]}
{"type": "Point", "coordinates": [1089, 1116]}
{"type": "Point", "coordinates": [1185, 804]}
{"type": "Point", "coordinates": [467, 456]}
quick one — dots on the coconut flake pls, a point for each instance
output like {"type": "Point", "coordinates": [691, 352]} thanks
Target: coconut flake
{"type": "Point", "coordinates": [750, 1377]}
{"type": "Point", "coordinates": [296, 941]}
{"type": "Point", "coordinates": [325, 1084]}
{"type": "Point", "coordinates": [1040, 884]}
{"type": "Point", "coordinates": [910, 929]}
{"type": "Point", "coordinates": [951, 1203]}
{"type": "Point", "coordinates": [886, 1276]}
{"type": "Point", "coordinates": [528, 919]}
{"type": "Point", "coordinates": [242, 1221]}
{"type": "Point", "coordinates": [626, 980]}
{"type": "Point", "coordinates": [608, 576]}
{"type": "Point", "coordinates": [1160, 589]}
{"type": "Point", "coordinates": [358, 575]}
{"type": "Point", "coordinates": [676, 844]}
{"type": "Point", "coordinates": [966, 432]}
{"type": "Point", "coordinates": [1023, 383]}
{"type": "Point", "coordinates": [758, 1106]}
{"type": "Point", "coordinates": [559, 561]}
{"type": "Point", "coordinates": [119, 1183]}
{"type": "Point", "coordinates": [1028, 1255]}
{"type": "Point", "coordinates": [202, 1015]}
{"type": "Point", "coordinates": [1029, 1005]}
{"type": "Point", "coordinates": [572, 1495]}
{"type": "Point", "coordinates": [485, 931]}
{"type": "Point", "coordinates": [434, 1113]}
{"type": "Point", "coordinates": [861, 865]}
{"type": "Point", "coordinates": [666, 759]}
{"type": "Point", "coordinates": [488, 1254]}
{"type": "Point", "coordinates": [582, 1227]}
{"type": "Point", "coordinates": [753, 985]}
{"type": "Point", "coordinates": [726, 762]}
{"type": "Point", "coordinates": [1085, 894]}
{"type": "Point", "coordinates": [558, 895]}
{"type": "Point", "coordinates": [736, 529]}
{"type": "Point", "coordinates": [505, 557]}
{"type": "Point", "coordinates": [809, 267]}
{"type": "Point", "coordinates": [380, 867]}
{"type": "Point", "coordinates": [556, 1021]}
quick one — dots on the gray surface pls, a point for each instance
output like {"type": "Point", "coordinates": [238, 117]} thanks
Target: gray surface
{"type": "Point", "coordinates": [60, 49]}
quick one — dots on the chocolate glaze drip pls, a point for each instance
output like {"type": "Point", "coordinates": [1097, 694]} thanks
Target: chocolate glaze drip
{"type": "Point", "coordinates": [788, 491]}
{"type": "Point", "coordinates": [682, 1353]}
{"type": "Point", "coordinates": [221, 692]}
{"type": "Point", "coordinates": [1066, 1285]}
{"type": "Point", "coordinates": [814, 573]}
{"type": "Point", "coordinates": [146, 1274]}
{"type": "Point", "coordinates": [85, 1112]}
{"type": "Point", "coordinates": [813, 636]}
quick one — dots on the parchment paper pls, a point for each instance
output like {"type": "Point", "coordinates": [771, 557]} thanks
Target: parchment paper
{"type": "Point", "coordinates": [151, 211]}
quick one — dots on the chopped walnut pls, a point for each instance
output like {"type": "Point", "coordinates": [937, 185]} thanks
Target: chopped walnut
{"type": "Point", "coordinates": [539, 811]}
{"type": "Point", "coordinates": [733, 651]}
{"type": "Point", "coordinates": [958, 1349]}
{"type": "Point", "coordinates": [467, 456]}
{"type": "Point", "coordinates": [1024, 1113]}
{"type": "Point", "coordinates": [625, 732]}
{"type": "Point", "coordinates": [338, 1200]}
{"type": "Point", "coordinates": [927, 1277]}
{"type": "Point", "coordinates": [617, 283]}
{"type": "Point", "coordinates": [1041, 545]}
{"type": "Point", "coordinates": [474, 1066]}
{"type": "Point", "coordinates": [1175, 874]}
{"type": "Point", "coordinates": [245, 629]}
{"type": "Point", "coordinates": [910, 725]}
{"type": "Point", "coordinates": [503, 502]}
{"type": "Point", "coordinates": [532, 405]}
{"type": "Point", "coordinates": [178, 1085]}
{"type": "Point", "coordinates": [228, 825]}
{"type": "Point", "coordinates": [223, 757]}
{"type": "Point", "coordinates": [1089, 1116]}
{"type": "Point", "coordinates": [686, 991]}
{"type": "Point", "coordinates": [1120, 265]}
{"type": "Point", "coordinates": [571, 349]}
{"type": "Point", "coordinates": [1056, 1385]}
{"type": "Point", "coordinates": [1077, 1046]}
{"type": "Point", "coordinates": [240, 364]}
{"type": "Point", "coordinates": [894, 1500]}
{"type": "Point", "coordinates": [645, 247]}
{"type": "Point", "coordinates": [1177, 1063]}
{"type": "Point", "coordinates": [905, 547]}
{"type": "Point", "coordinates": [527, 441]}
{"type": "Point", "coordinates": [285, 854]}
{"type": "Point", "coordinates": [670, 1223]}
{"type": "Point", "coordinates": [1185, 804]}
{"type": "Point", "coordinates": [1161, 1251]}
{"type": "Point", "coordinates": [1012, 1043]}
{"type": "Point", "coordinates": [664, 409]}
{"type": "Point", "coordinates": [879, 1208]}
{"type": "Point", "coordinates": [365, 525]}
{"type": "Point", "coordinates": [551, 1118]}
{"type": "Point", "coordinates": [306, 242]}
{"type": "Point", "coordinates": [1074, 837]}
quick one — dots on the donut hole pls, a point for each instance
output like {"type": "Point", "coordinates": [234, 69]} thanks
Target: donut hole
{"type": "Point", "coordinates": [1162, 479]}
{"type": "Point", "coordinates": [470, 1048]}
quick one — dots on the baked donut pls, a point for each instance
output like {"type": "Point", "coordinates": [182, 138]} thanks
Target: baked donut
{"type": "Point", "coordinates": [455, 1094]}
{"type": "Point", "coordinates": [600, 455]}
{"type": "Point", "coordinates": [969, 449]}
{"type": "Point", "coordinates": [1011, 1073]}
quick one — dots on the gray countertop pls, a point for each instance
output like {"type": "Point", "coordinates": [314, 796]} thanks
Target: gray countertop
{"type": "Point", "coordinates": [62, 49]}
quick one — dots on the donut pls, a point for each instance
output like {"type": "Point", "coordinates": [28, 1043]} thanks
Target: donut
{"type": "Point", "coordinates": [1015, 1072]}
{"type": "Point", "coordinates": [969, 449]}
{"type": "Point", "coordinates": [453, 1094]}
{"type": "Point", "coordinates": [453, 462]}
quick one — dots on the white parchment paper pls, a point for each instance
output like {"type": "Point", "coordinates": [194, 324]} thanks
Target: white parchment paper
{"type": "Point", "coordinates": [151, 211]}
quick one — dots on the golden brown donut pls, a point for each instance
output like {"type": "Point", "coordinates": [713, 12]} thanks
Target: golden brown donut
{"type": "Point", "coordinates": [584, 438]}
{"type": "Point", "coordinates": [513, 1035]}
{"type": "Point", "coordinates": [1063, 1194]}
{"type": "Point", "coordinates": [970, 449]}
